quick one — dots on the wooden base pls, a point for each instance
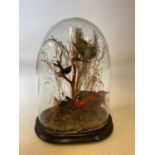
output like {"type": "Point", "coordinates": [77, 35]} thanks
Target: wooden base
{"type": "Point", "coordinates": [90, 136]}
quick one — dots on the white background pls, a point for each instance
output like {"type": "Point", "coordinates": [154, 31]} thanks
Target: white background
{"type": "Point", "coordinates": [145, 63]}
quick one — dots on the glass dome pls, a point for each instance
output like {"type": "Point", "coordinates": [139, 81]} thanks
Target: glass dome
{"type": "Point", "coordinates": [73, 69]}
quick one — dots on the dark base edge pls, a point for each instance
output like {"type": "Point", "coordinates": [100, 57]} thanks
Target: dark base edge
{"type": "Point", "coordinates": [91, 136]}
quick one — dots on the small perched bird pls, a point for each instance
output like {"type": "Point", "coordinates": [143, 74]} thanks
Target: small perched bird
{"type": "Point", "coordinates": [62, 71]}
{"type": "Point", "coordinates": [96, 98]}
{"type": "Point", "coordinates": [85, 50]}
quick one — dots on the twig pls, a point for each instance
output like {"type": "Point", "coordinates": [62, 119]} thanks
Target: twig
{"type": "Point", "coordinates": [68, 80]}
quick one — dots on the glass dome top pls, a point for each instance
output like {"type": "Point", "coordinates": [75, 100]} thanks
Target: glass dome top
{"type": "Point", "coordinates": [73, 70]}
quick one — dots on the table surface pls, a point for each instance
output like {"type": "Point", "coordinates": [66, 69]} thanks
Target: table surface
{"type": "Point", "coordinates": [121, 142]}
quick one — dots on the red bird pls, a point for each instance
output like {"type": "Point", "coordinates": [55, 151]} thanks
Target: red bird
{"type": "Point", "coordinates": [97, 97]}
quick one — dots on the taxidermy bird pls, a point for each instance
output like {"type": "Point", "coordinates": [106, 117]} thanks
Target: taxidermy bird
{"type": "Point", "coordinates": [85, 50]}
{"type": "Point", "coordinates": [62, 71]}
{"type": "Point", "coordinates": [96, 98]}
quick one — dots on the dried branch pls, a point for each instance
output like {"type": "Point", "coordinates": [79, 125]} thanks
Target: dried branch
{"type": "Point", "coordinates": [63, 76]}
{"type": "Point", "coordinates": [86, 73]}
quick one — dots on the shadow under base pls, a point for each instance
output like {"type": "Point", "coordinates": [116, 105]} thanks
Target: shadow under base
{"type": "Point", "coordinates": [90, 136]}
